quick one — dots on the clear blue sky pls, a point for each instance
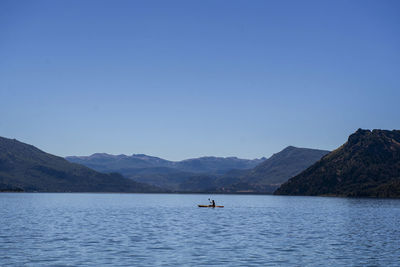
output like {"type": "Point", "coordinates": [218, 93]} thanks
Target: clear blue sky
{"type": "Point", "coordinates": [181, 79]}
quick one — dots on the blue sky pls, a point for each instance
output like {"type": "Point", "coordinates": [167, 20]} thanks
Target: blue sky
{"type": "Point", "coordinates": [181, 79]}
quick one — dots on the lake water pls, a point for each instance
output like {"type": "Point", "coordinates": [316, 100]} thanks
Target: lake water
{"type": "Point", "coordinates": [170, 230]}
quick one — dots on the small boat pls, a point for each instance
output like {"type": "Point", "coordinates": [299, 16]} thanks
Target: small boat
{"type": "Point", "coordinates": [209, 206]}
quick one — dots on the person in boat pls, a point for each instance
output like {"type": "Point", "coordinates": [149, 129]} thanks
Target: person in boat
{"type": "Point", "coordinates": [213, 203]}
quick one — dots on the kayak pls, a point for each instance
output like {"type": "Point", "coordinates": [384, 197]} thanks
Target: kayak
{"type": "Point", "coordinates": [209, 206]}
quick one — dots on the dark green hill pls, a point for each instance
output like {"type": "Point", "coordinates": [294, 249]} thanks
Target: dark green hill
{"type": "Point", "coordinates": [368, 164]}
{"type": "Point", "coordinates": [26, 168]}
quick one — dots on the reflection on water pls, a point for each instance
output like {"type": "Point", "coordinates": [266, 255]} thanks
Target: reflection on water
{"type": "Point", "coordinates": [169, 230]}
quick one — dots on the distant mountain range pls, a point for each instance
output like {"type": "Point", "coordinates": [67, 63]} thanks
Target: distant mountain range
{"type": "Point", "coordinates": [367, 165]}
{"type": "Point", "coordinates": [211, 174]}
{"type": "Point", "coordinates": [195, 175]}
{"type": "Point", "coordinates": [26, 168]}
{"type": "Point", "coordinates": [129, 164]}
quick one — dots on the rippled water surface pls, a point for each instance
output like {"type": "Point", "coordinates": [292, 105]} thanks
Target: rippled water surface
{"type": "Point", "coordinates": [170, 230]}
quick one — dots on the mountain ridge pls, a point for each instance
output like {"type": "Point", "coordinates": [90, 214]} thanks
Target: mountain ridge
{"type": "Point", "coordinates": [108, 162]}
{"type": "Point", "coordinates": [367, 165]}
{"type": "Point", "coordinates": [217, 174]}
{"type": "Point", "coordinates": [24, 167]}
{"type": "Point", "coordinates": [277, 169]}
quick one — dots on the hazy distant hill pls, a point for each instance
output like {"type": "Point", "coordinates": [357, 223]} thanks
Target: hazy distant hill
{"type": "Point", "coordinates": [208, 173]}
{"type": "Point", "coordinates": [127, 164]}
{"type": "Point", "coordinates": [368, 164]}
{"type": "Point", "coordinates": [26, 168]}
{"type": "Point", "coordinates": [216, 164]}
{"type": "Point", "coordinates": [108, 163]}
{"type": "Point", "coordinates": [270, 174]}
{"type": "Point", "coordinates": [168, 178]}
{"type": "Point", "coordinates": [194, 175]}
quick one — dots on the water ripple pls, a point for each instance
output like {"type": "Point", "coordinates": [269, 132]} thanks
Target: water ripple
{"type": "Point", "coordinates": [169, 230]}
